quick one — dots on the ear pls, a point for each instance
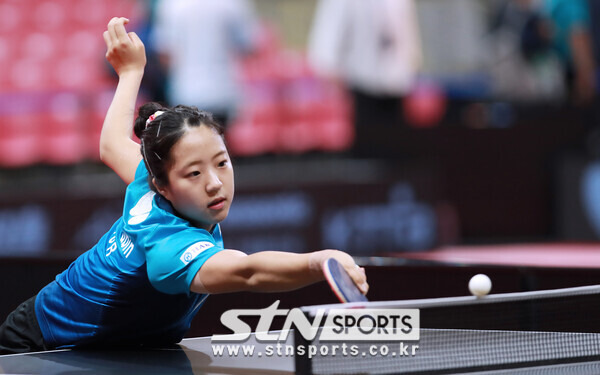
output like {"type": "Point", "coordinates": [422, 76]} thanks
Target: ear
{"type": "Point", "coordinates": [163, 190]}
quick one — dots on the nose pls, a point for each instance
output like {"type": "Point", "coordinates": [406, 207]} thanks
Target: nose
{"type": "Point", "coordinates": [214, 183]}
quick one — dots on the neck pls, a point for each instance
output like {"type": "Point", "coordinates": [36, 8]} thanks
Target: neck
{"type": "Point", "coordinates": [194, 223]}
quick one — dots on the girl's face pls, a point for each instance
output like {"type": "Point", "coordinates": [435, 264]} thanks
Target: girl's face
{"type": "Point", "coordinates": [200, 176]}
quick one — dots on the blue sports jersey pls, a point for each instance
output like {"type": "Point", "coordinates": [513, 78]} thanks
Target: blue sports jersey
{"type": "Point", "coordinates": [133, 287]}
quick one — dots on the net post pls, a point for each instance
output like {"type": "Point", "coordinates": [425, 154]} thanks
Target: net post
{"type": "Point", "coordinates": [302, 363]}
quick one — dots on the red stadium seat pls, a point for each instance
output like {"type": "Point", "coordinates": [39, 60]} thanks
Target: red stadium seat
{"type": "Point", "coordinates": [27, 74]}
{"type": "Point", "coordinates": [249, 137]}
{"type": "Point", "coordinates": [19, 141]}
{"type": "Point", "coordinates": [12, 14]}
{"type": "Point", "coordinates": [46, 16]}
{"type": "Point", "coordinates": [65, 148]}
{"type": "Point", "coordinates": [64, 139]}
{"type": "Point", "coordinates": [19, 151]}
{"type": "Point", "coordinates": [296, 136]}
{"type": "Point", "coordinates": [336, 134]}
{"type": "Point", "coordinates": [39, 46]}
{"type": "Point", "coordinates": [52, 51]}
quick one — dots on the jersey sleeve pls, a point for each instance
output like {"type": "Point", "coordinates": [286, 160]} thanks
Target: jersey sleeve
{"type": "Point", "coordinates": [173, 261]}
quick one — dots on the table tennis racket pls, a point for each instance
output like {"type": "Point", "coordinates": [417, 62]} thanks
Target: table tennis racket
{"type": "Point", "coordinates": [341, 283]}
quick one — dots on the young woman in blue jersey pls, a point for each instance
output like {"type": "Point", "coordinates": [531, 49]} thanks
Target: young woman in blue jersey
{"type": "Point", "coordinates": [149, 274]}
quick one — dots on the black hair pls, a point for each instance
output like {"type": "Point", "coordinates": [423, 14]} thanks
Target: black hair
{"type": "Point", "coordinates": [159, 131]}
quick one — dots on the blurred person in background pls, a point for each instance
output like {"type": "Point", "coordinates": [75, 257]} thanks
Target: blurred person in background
{"type": "Point", "coordinates": [374, 48]}
{"type": "Point", "coordinates": [198, 42]}
{"type": "Point", "coordinates": [523, 64]}
{"type": "Point", "coordinates": [543, 50]}
{"type": "Point", "coordinates": [154, 81]}
{"type": "Point", "coordinates": [573, 43]}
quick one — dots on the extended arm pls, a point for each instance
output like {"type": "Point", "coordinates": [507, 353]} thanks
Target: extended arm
{"type": "Point", "coordinates": [126, 53]}
{"type": "Point", "coordinates": [269, 271]}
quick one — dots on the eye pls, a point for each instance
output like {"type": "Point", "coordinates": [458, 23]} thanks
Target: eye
{"type": "Point", "coordinates": [194, 174]}
{"type": "Point", "coordinates": [223, 163]}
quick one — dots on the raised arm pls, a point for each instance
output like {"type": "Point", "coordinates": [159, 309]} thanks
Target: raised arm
{"type": "Point", "coordinates": [269, 271]}
{"type": "Point", "coordinates": [126, 54]}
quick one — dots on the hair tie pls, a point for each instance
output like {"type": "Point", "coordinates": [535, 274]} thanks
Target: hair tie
{"type": "Point", "coordinates": [153, 116]}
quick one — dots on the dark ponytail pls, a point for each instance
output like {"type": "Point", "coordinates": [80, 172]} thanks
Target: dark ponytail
{"type": "Point", "coordinates": [159, 128]}
{"type": "Point", "coordinates": [144, 113]}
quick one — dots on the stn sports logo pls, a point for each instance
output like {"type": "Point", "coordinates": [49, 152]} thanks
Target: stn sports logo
{"type": "Point", "coordinates": [337, 324]}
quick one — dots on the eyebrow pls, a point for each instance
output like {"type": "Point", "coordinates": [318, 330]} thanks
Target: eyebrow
{"type": "Point", "coordinates": [219, 154]}
{"type": "Point", "coordinates": [215, 156]}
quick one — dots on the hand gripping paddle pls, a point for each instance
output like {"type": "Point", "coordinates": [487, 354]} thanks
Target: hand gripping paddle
{"type": "Point", "coordinates": [341, 283]}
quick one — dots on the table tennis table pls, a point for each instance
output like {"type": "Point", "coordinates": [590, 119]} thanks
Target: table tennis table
{"type": "Point", "coordinates": [555, 255]}
{"type": "Point", "coordinates": [196, 356]}
{"type": "Point", "coordinates": [516, 339]}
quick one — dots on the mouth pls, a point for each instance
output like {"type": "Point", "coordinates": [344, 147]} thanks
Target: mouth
{"type": "Point", "coordinates": [217, 204]}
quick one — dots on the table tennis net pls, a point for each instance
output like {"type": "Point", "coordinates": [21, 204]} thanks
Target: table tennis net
{"type": "Point", "coordinates": [467, 334]}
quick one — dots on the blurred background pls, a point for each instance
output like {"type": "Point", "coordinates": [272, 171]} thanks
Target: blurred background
{"type": "Point", "coordinates": [380, 127]}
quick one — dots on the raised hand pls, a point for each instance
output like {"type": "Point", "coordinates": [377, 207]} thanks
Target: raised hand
{"type": "Point", "coordinates": [124, 50]}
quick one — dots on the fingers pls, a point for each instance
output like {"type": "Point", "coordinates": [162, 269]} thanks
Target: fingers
{"type": "Point", "coordinates": [106, 37]}
{"type": "Point", "coordinates": [357, 273]}
{"type": "Point", "coordinates": [124, 50]}
{"type": "Point", "coordinates": [117, 20]}
{"type": "Point", "coordinates": [135, 39]}
{"type": "Point", "coordinates": [111, 30]}
{"type": "Point", "coordinates": [359, 277]}
{"type": "Point", "coordinates": [120, 32]}
{"type": "Point", "coordinates": [116, 30]}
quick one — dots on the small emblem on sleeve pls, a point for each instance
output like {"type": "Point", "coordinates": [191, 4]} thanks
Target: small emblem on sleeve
{"type": "Point", "coordinates": [194, 250]}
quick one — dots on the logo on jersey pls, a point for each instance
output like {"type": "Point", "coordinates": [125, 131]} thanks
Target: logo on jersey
{"type": "Point", "coordinates": [194, 250]}
{"type": "Point", "coordinates": [142, 209]}
{"type": "Point", "coordinates": [127, 245]}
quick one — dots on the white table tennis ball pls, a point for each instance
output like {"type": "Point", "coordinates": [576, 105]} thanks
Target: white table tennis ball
{"type": "Point", "coordinates": [480, 285]}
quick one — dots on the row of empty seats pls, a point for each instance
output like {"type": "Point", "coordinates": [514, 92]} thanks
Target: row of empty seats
{"type": "Point", "coordinates": [65, 128]}
{"type": "Point", "coordinates": [53, 79]}
{"type": "Point", "coordinates": [56, 44]}
{"type": "Point", "coordinates": [55, 88]}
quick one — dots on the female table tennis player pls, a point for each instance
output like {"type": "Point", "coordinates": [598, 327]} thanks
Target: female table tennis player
{"type": "Point", "coordinates": [147, 277]}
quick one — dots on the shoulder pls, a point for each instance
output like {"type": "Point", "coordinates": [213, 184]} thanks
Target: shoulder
{"type": "Point", "coordinates": [185, 241]}
{"type": "Point", "coordinates": [175, 256]}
